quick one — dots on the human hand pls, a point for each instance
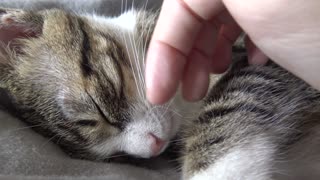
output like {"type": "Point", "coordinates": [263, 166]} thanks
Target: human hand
{"type": "Point", "coordinates": [194, 37]}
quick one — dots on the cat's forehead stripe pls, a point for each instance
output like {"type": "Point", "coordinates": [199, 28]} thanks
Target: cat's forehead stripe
{"type": "Point", "coordinates": [85, 51]}
{"type": "Point", "coordinates": [102, 64]}
{"type": "Point", "coordinates": [93, 64]}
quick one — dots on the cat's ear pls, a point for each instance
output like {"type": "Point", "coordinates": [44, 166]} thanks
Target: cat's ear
{"type": "Point", "coordinates": [16, 24]}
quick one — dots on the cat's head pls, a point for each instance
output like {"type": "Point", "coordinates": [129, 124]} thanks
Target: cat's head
{"type": "Point", "coordinates": [80, 80]}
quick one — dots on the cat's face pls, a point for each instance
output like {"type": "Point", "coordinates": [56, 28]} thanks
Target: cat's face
{"type": "Point", "coordinates": [81, 78]}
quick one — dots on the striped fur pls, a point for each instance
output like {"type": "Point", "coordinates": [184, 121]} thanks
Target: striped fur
{"type": "Point", "coordinates": [77, 78]}
{"type": "Point", "coordinates": [252, 126]}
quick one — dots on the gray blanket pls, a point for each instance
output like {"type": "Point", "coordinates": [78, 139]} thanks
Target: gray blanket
{"type": "Point", "coordinates": [26, 155]}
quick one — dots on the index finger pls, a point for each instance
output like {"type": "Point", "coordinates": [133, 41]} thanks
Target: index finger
{"type": "Point", "coordinates": [174, 36]}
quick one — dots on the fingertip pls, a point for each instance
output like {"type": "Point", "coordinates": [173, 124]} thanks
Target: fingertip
{"type": "Point", "coordinates": [160, 96]}
{"type": "Point", "coordinates": [220, 66]}
{"type": "Point", "coordinates": [223, 49]}
{"type": "Point", "coordinates": [194, 96]}
{"type": "Point", "coordinates": [255, 55]}
{"type": "Point", "coordinates": [164, 69]}
{"type": "Point", "coordinates": [258, 58]}
{"type": "Point", "coordinates": [221, 58]}
{"type": "Point", "coordinates": [196, 77]}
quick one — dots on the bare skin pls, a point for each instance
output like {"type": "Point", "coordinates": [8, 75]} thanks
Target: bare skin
{"type": "Point", "coordinates": [193, 38]}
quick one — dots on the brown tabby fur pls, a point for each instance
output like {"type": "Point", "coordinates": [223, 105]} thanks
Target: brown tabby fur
{"type": "Point", "coordinates": [81, 89]}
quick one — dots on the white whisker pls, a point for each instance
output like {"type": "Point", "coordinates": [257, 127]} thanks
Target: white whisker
{"type": "Point", "coordinates": [47, 141]}
{"type": "Point", "coordinates": [131, 63]}
{"type": "Point", "coordinates": [139, 82]}
{"type": "Point", "coordinates": [23, 128]}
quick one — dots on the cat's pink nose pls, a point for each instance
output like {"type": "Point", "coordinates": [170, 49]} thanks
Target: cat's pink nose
{"type": "Point", "coordinates": [157, 144]}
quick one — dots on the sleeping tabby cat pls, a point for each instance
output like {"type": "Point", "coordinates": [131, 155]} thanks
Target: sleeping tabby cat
{"type": "Point", "coordinates": [78, 79]}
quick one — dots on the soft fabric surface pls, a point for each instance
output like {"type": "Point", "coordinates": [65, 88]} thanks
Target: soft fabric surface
{"type": "Point", "coordinates": [25, 154]}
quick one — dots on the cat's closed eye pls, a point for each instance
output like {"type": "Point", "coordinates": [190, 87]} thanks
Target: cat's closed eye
{"type": "Point", "coordinates": [81, 78]}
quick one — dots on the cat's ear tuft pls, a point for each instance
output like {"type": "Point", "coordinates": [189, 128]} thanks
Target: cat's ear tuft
{"type": "Point", "coordinates": [17, 24]}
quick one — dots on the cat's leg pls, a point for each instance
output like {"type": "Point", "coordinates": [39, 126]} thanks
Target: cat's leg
{"type": "Point", "coordinates": [250, 124]}
{"type": "Point", "coordinates": [221, 158]}
{"type": "Point", "coordinates": [302, 161]}
{"type": "Point", "coordinates": [243, 150]}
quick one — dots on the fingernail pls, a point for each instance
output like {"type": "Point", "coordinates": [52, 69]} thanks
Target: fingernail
{"type": "Point", "coordinates": [196, 77]}
{"type": "Point", "coordinates": [222, 56]}
{"type": "Point", "coordinates": [199, 88]}
{"type": "Point", "coordinates": [258, 58]}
